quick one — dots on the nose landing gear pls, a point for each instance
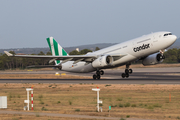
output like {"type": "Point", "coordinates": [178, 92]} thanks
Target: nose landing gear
{"type": "Point", "coordinates": [98, 74]}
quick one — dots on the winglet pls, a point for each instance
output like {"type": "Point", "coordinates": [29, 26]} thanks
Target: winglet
{"type": "Point", "coordinates": [8, 54]}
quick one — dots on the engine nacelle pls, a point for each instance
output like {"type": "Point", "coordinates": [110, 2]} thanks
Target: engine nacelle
{"type": "Point", "coordinates": [102, 61]}
{"type": "Point", "coordinates": [153, 59]}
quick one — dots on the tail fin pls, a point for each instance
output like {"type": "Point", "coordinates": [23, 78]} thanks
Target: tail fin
{"type": "Point", "coordinates": [56, 49]}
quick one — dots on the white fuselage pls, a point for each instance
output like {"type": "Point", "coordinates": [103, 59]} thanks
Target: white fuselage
{"type": "Point", "coordinates": [135, 49]}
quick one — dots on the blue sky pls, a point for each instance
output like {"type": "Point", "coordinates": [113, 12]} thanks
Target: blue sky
{"type": "Point", "coordinates": [27, 23]}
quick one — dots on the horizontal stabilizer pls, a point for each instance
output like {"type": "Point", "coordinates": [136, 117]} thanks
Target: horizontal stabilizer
{"type": "Point", "coordinates": [8, 54]}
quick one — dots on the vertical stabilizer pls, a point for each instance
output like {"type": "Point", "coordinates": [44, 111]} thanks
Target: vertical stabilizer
{"type": "Point", "coordinates": [56, 49]}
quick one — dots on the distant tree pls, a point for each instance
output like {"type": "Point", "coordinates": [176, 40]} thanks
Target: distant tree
{"type": "Point", "coordinates": [97, 48]}
{"type": "Point", "coordinates": [178, 55]}
{"type": "Point", "coordinates": [82, 52]}
{"type": "Point", "coordinates": [12, 52]}
{"type": "Point", "coordinates": [74, 52]}
{"type": "Point", "coordinates": [2, 61]}
{"type": "Point", "coordinates": [41, 53]}
{"type": "Point", "coordinates": [48, 53]}
{"type": "Point", "coordinates": [12, 60]}
{"type": "Point", "coordinates": [85, 51]}
{"type": "Point", "coordinates": [171, 56]}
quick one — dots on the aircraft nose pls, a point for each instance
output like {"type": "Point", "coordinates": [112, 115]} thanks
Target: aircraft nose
{"type": "Point", "coordinates": [174, 37]}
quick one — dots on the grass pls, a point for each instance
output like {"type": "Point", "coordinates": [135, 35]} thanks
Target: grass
{"type": "Point", "coordinates": [133, 105]}
{"type": "Point", "coordinates": [19, 96]}
{"type": "Point", "coordinates": [77, 110]}
{"type": "Point", "coordinates": [70, 103]}
{"type": "Point", "coordinates": [41, 102]}
{"type": "Point", "coordinates": [37, 115]}
{"type": "Point", "coordinates": [15, 119]}
{"type": "Point", "coordinates": [119, 99]}
{"type": "Point", "coordinates": [150, 107]}
{"type": "Point", "coordinates": [44, 109]}
{"type": "Point", "coordinates": [122, 119]}
{"type": "Point", "coordinates": [148, 101]}
{"type": "Point", "coordinates": [113, 105]}
{"type": "Point", "coordinates": [127, 105]}
{"type": "Point", "coordinates": [10, 96]}
{"type": "Point", "coordinates": [40, 96]}
{"type": "Point", "coordinates": [157, 105]}
{"type": "Point", "coordinates": [121, 105]}
{"type": "Point", "coordinates": [107, 85]}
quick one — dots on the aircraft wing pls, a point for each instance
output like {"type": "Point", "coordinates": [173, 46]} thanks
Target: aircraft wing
{"type": "Point", "coordinates": [75, 58]}
{"type": "Point", "coordinates": [65, 58]}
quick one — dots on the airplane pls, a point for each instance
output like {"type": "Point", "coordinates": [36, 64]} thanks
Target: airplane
{"type": "Point", "coordinates": [148, 48]}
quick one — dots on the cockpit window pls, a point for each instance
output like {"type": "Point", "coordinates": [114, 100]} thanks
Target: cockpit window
{"type": "Point", "coordinates": [167, 34]}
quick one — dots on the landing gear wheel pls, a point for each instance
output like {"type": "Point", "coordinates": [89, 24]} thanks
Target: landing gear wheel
{"type": "Point", "coordinates": [127, 75]}
{"type": "Point", "coordinates": [127, 71]}
{"type": "Point", "coordinates": [94, 77]}
{"type": "Point", "coordinates": [102, 72]}
{"type": "Point", "coordinates": [130, 71]}
{"type": "Point", "coordinates": [123, 75]}
{"type": "Point", "coordinates": [98, 72]}
{"type": "Point", "coordinates": [98, 77]}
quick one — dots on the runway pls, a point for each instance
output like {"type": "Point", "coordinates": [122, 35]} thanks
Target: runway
{"type": "Point", "coordinates": [139, 76]}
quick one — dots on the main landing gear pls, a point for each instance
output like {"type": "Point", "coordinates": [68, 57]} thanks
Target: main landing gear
{"type": "Point", "coordinates": [127, 72]}
{"type": "Point", "coordinates": [98, 74]}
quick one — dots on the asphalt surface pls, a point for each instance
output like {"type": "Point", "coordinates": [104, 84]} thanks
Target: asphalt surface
{"type": "Point", "coordinates": [139, 76]}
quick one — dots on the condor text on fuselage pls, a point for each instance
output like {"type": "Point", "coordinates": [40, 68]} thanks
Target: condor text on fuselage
{"type": "Point", "coordinates": [144, 46]}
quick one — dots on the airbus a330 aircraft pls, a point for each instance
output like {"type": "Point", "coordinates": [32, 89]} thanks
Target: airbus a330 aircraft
{"type": "Point", "coordinates": [148, 48]}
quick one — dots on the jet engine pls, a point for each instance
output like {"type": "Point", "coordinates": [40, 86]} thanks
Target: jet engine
{"type": "Point", "coordinates": [102, 61]}
{"type": "Point", "coordinates": [153, 59]}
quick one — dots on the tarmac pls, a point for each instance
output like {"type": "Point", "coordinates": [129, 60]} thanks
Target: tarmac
{"type": "Point", "coordinates": [113, 76]}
